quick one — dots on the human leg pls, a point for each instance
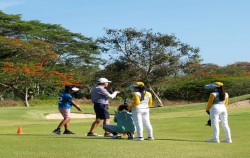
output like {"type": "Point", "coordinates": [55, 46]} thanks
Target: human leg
{"type": "Point", "coordinates": [106, 122]}
{"type": "Point", "coordinates": [147, 124]}
{"type": "Point", "coordinates": [111, 129]}
{"type": "Point", "coordinates": [130, 135]}
{"type": "Point", "coordinates": [94, 125]}
{"type": "Point", "coordinates": [104, 114]}
{"type": "Point", "coordinates": [224, 123]}
{"type": "Point", "coordinates": [138, 122]}
{"type": "Point", "coordinates": [99, 111]}
{"type": "Point", "coordinates": [214, 116]}
{"type": "Point", "coordinates": [65, 122]}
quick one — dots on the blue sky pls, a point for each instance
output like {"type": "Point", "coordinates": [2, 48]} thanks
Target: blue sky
{"type": "Point", "coordinates": [220, 28]}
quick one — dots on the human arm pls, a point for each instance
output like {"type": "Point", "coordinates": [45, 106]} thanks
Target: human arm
{"type": "Point", "coordinates": [210, 102]}
{"type": "Point", "coordinates": [102, 91]}
{"type": "Point", "coordinates": [150, 102]}
{"type": "Point", "coordinates": [115, 118]}
{"type": "Point", "coordinates": [227, 100]}
{"type": "Point", "coordinates": [113, 95]}
{"type": "Point", "coordinates": [135, 103]}
{"type": "Point", "coordinates": [76, 106]}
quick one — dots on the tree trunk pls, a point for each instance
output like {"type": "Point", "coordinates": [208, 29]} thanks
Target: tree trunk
{"type": "Point", "coordinates": [26, 102]}
{"type": "Point", "coordinates": [159, 102]}
{"type": "Point", "coordinates": [1, 97]}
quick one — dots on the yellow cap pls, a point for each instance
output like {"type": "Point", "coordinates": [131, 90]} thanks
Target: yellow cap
{"type": "Point", "coordinates": [219, 83]}
{"type": "Point", "coordinates": [137, 84]}
{"type": "Point", "coordinates": [140, 84]}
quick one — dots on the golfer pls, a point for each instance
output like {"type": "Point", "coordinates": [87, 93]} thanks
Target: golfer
{"type": "Point", "coordinates": [99, 96]}
{"type": "Point", "coordinates": [142, 100]}
{"type": "Point", "coordinates": [216, 108]}
{"type": "Point", "coordinates": [65, 103]}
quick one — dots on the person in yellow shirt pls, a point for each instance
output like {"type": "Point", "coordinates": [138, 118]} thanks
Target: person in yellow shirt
{"type": "Point", "coordinates": [142, 100]}
{"type": "Point", "coordinates": [216, 108]}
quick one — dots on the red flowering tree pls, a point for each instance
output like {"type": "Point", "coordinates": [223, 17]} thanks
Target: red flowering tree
{"type": "Point", "coordinates": [30, 67]}
{"type": "Point", "coordinates": [39, 57]}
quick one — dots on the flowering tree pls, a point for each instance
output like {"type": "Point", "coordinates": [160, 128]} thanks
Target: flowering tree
{"type": "Point", "coordinates": [35, 55]}
{"type": "Point", "coordinates": [30, 67]}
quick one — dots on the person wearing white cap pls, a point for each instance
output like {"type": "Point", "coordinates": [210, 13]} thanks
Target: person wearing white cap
{"type": "Point", "coordinates": [65, 103]}
{"type": "Point", "coordinates": [140, 110]}
{"type": "Point", "coordinates": [99, 97]}
{"type": "Point", "coordinates": [216, 108]}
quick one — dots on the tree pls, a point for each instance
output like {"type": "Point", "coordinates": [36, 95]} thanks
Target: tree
{"type": "Point", "coordinates": [72, 48]}
{"type": "Point", "coordinates": [34, 54]}
{"type": "Point", "coordinates": [150, 57]}
{"type": "Point", "coordinates": [29, 68]}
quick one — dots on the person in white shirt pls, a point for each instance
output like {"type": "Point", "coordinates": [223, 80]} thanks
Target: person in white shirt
{"type": "Point", "coordinates": [216, 108]}
{"type": "Point", "coordinates": [142, 100]}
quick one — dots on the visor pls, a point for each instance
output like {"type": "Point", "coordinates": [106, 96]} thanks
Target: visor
{"type": "Point", "coordinates": [211, 86]}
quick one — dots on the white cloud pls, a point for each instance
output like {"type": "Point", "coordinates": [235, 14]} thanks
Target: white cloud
{"type": "Point", "coordinates": [7, 4]}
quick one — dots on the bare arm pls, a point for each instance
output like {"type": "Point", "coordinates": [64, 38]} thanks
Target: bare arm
{"type": "Point", "coordinates": [76, 106]}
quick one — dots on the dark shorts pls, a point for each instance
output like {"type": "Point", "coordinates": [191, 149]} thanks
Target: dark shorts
{"type": "Point", "coordinates": [101, 111]}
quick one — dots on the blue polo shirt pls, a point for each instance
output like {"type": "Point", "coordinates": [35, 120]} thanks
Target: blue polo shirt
{"type": "Point", "coordinates": [65, 100]}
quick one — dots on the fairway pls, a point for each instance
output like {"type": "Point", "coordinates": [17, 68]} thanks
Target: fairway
{"type": "Point", "coordinates": [179, 131]}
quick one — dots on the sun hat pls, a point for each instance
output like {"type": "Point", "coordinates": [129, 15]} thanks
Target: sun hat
{"type": "Point", "coordinates": [75, 89]}
{"type": "Point", "coordinates": [136, 84]}
{"type": "Point", "coordinates": [67, 88]}
{"type": "Point", "coordinates": [103, 80]}
{"type": "Point", "coordinates": [213, 85]}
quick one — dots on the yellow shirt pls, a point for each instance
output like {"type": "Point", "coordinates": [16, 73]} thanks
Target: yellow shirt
{"type": "Point", "coordinates": [214, 99]}
{"type": "Point", "coordinates": [138, 103]}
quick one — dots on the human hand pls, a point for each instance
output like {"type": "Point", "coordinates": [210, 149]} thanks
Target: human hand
{"type": "Point", "coordinates": [117, 92]}
{"type": "Point", "coordinates": [79, 109]}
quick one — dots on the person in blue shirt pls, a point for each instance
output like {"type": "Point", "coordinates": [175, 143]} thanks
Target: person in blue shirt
{"type": "Point", "coordinates": [65, 104]}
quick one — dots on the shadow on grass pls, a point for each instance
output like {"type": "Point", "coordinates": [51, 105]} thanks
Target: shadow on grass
{"type": "Point", "coordinates": [89, 138]}
{"type": "Point", "coordinates": [182, 140]}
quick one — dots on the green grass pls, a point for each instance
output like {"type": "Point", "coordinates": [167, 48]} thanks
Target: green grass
{"type": "Point", "coordinates": [180, 131]}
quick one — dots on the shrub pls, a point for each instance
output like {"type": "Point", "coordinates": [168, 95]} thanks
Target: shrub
{"type": "Point", "coordinates": [193, 89]}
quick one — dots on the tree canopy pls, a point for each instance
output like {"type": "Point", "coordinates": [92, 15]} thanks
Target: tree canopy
{"type": "Point", "coordinates": [146, 55]}
{"type": "Point", "coordinates": [35, 54]}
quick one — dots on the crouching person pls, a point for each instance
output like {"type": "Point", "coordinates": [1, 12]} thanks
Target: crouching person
{"type": "Point", "coordinates": [125, 123]}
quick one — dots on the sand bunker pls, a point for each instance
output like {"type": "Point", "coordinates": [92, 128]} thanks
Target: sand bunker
{"type": "Point", "coordinates": [58, 116]}
{"type": "Point", "coordinates": [240, 104]}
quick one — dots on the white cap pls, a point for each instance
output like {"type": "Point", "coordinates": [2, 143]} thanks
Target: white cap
{"type": "Point", "coordinates": [103, 80]}
{"type": "Point", "coordinates": [75, 89]}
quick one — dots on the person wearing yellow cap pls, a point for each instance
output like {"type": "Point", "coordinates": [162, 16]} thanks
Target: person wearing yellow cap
{"type": "Point", "coordinates": [216, 108]}
{"type": "Point", "coordinates": [142, 100]}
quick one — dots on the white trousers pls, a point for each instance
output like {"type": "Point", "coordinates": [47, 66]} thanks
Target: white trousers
{"type": "Point", "coordinates": [141, 117]}
{"type": "Point", "coordinates": [218, 113]}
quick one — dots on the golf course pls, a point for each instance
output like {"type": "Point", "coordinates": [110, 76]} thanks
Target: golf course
{"type": "Point", "coordinates": [179, 131]}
